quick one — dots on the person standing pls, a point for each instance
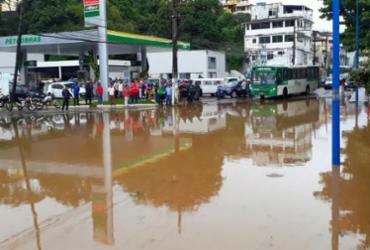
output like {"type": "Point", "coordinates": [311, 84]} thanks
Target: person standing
{"type": "Point", "coordinates": [126, 94]}
{"type": "Point", "coordinates": [112, 94]}
{"type": "Point", "coordinates": [120, 88]}
{"type": "Point", "coordinates": [169, 94]}
{"type": "Point", "coordinates": [142, 89]}
{"type": "Point", "coordinates": [99, 93]}
{"type": "Point", "coordinates": [66, 95]}
{"type": "Point", "coordinates": [161, 92]}
{"type": "Point", "coordinates": [89, 93]}
{"type": "Point", "coordinates": [135, 92]}
{"type": "Point", "coordinates": [116, 88]}
{"type": "Point", "coordinates": [76, 94]}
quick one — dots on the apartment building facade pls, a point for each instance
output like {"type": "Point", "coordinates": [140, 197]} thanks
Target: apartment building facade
{"type": "Point", "coordinates": [279, 34]}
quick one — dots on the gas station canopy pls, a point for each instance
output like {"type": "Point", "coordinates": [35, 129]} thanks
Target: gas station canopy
{"type": "Point", "coordinates": [79, 42]}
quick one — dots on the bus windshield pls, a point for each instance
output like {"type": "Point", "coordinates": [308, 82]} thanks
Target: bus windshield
{"type": "Point", "coordinates": [264, 77]}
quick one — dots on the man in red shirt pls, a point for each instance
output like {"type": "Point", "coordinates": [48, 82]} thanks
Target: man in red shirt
{"type": "Point", "coordinates": [135, 92]}
{"type": "Point", "coordinates": [99, 93]}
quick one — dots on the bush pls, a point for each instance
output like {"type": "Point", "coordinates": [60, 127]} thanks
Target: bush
{"type": "Point", "coordinates": [361, 77]}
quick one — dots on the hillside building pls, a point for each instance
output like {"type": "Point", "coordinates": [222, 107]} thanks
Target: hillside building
{"type": "Point", "coordinates": [237, 6]}
{"type": "Point", "coordinates": [279, 34]}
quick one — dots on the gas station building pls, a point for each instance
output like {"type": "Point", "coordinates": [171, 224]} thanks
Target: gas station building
{"type": "Point", "coordinates": [78, 45]}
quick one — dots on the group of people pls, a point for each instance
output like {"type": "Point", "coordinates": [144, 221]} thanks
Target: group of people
{"type": "Point", "coordinates": [130, 92]}
{"type": "Point", "coordinates": [136, 90]}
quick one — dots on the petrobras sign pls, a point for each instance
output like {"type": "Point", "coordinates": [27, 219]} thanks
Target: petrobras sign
{"type": "Point", "coordinates": [92, 13]}
{"type": "Point", "coordinates": [26, 40]}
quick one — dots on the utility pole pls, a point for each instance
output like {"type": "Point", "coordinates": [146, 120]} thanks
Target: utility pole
{"type": "Point", "coordinates": [326, 52]}
{"type": "Point", "coordinates": [294, 43]}
{"type": "Point", "coordinates": [357, 56]}
{"type": "Point", "coordinates": [174, 49]}
{"type": "Point", "coordinates": [103, 48]}
{"type": "Point", "coordinates": [314, 48]}
{"type": "Point", "coordinates": [18, 56]}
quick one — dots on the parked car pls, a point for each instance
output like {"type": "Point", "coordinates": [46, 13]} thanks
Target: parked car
{"type": "Point", "coordinates": [56, 89]}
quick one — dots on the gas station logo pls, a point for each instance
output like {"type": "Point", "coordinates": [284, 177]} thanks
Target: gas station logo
{"type": "Point", "coordinates": [91, 8]}
{"type": "Point", "coordinates": [25, 40]}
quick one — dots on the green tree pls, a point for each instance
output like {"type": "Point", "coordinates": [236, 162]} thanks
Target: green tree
{"type": "Point", "coordinates": [203, 23]}
{"type": "Point", "coordinates": [348, 12]}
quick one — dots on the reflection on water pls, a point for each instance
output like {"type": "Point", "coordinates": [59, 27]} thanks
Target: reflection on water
{"type": "Point", "coordinates": [349, 190]}
{"type": "Point", "coordinates": [181, 160]}
{"type": "Point", "coordinates": [281, 134]}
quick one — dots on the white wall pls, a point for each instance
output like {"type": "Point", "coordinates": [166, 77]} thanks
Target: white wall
{"type": "Point", "coordinates": [194, 62]}
{"type": "Point", "coordinates": [7, 61]}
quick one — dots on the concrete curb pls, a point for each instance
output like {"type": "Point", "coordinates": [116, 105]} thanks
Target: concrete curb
{"type": "Point", "coordinates": [130, 106]}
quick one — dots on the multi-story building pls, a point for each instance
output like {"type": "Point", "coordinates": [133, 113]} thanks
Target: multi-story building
{"type": "Point", "coordinates": [237, 6]}
{"type": "Point", "coordinates": [279, 34]}
{"type": "Point", "coordinates": [323, 51]}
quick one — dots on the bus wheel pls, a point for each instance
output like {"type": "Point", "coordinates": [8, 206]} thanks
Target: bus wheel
{"type": "Point", "coordinates": [308, 90]}
{"type": "Point", "coordinates": [285, 92]}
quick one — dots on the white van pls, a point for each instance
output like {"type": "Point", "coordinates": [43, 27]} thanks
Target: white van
{"type": "Point", "coordinates": [209, 85]}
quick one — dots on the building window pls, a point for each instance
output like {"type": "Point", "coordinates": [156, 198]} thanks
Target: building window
{"type": "Point", "coordinates": [270, 56]}
{"type": "Point", "coordinates": [265, 25]}
{"type": "Point", "coordinates": [300, 38]}
{"type": "Point", "coordinates": [254, 40]}
{"type": "Point", "coordinates": [255, 26]}
{"type": "Point", "coordinates": [289, 23]}
{"type": "Point", "coordinates": [212, 75]}
{"type": "Point", "coordinates": [277, 39]}
{"type": "Point", "coordinates": [277, 24]}
{"type": "Point", "coordinates": [290, 74]}
{"type": "Point", "coordinates": [264, 39]}
{"type": "Point", "coordinates": [211, 62]}
{"type": "Point", "coordinates": [185, 75]}
{"type": "Point", "coordinates": [258, 26]}
{"type": "Point", "coordinates": [289, 38]}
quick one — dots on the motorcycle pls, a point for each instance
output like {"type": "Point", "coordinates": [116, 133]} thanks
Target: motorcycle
{"type": "Point", "coordinates": [45, 102]}
{"type": "Point", "coordinates": [22, 103]}
{"type": "Point", "coordinates": [4, 101]}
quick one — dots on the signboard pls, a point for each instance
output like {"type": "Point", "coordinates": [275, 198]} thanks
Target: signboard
{"type": "Point", "coordinates": [31, 63]}
{"type": "Point", "coordinates": [25, 40]}
{"type": "Point", "coordinates": [92, 13]}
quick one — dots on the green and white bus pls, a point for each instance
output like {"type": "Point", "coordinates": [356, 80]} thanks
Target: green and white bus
{"type": "Point", "coordinates": [272, 81]}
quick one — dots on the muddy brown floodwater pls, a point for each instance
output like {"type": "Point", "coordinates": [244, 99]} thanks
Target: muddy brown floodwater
{"type": "Point", "coordinates": [211, 176]}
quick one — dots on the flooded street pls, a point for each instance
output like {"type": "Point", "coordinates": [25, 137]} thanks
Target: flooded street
{"type": "Point", "coordinates": [208, 176]}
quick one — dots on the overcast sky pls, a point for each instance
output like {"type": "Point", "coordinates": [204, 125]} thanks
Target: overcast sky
{"type": "Point", "coordinates": [321, 25]}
